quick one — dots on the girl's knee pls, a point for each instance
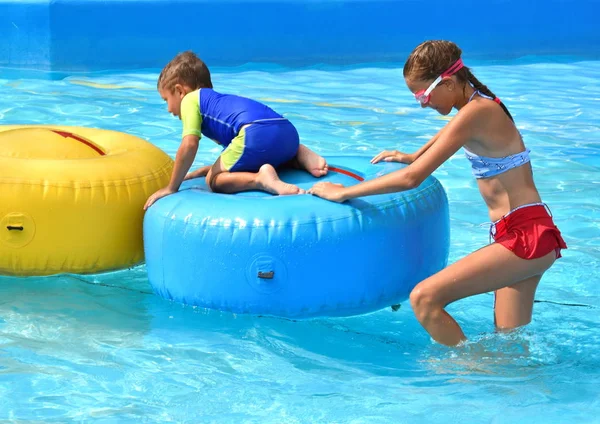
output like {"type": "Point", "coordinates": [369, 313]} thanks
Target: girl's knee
{"type": "Point", "coordinates": [423, 301]}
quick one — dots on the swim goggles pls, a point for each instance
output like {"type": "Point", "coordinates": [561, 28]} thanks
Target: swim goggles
{"type": "Point", "coordinates": [423, 96]}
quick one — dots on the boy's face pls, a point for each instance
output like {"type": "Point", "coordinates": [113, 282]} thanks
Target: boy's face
{"type": "Point", "coordinates": [173, 98]}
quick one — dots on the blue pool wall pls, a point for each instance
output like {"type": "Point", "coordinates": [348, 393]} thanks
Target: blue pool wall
{"type": "Point", "coordinates": [92, 35]}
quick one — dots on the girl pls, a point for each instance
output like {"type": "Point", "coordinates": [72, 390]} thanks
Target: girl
{"type": "Point", "coordinates": [526, 240]}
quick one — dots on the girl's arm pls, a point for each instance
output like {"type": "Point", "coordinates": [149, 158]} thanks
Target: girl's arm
{"type": "Point", "coordinates": [430, 143]}
{"type": "Point", "coordinates": [408, 158]}
{"type": "Point", "coordinates": [454, 135]}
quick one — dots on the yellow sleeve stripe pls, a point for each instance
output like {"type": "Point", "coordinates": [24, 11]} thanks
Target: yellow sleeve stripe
{"type": "Point", "coordinates": [190, 114]}
{"type": "Point", "coordinates": [234, 151]}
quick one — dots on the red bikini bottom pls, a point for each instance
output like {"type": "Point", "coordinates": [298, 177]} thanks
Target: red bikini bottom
{"type": "Point", "coordinates": [529, 232]}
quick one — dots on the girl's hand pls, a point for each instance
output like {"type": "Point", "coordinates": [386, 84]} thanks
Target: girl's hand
{"type": "Point", "coordinates": [329, 191]}
{"type": "Point", "coordinates": [393, 156]}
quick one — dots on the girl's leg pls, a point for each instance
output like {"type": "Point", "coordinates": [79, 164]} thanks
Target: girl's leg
{"type": "Point", "coordinates": [513, 305]}
{"type": "Point", "coordinates": [491, 268]}
{"type": "Point", "coordinates": [266, 179]}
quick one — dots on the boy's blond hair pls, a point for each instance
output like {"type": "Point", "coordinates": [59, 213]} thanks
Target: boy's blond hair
{"type": "Point", "coordinates": [185, 69]}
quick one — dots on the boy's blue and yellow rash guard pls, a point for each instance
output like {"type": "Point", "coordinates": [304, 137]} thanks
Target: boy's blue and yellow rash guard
{"type": "Point", "coordinates": [220, 116]}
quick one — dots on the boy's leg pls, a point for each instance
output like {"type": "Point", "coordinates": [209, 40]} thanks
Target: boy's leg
{"type": "Point", "coordinates": [222, 181]}
{"type": "Point", "coordinates": [245, 164]}
{"type": "Point", "coordinates": [311, 161]}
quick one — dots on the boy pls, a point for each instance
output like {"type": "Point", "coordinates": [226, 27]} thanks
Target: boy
{"type": "Point", "coordinates": [255, 138]}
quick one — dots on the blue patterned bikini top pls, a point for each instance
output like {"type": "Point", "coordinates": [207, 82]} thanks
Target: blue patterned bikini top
{"type": "Point", "coordinates": [485, 167]}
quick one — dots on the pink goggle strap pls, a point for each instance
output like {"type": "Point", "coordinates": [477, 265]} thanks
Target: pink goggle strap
{"type": "Point", "coordinates": [457, 66]}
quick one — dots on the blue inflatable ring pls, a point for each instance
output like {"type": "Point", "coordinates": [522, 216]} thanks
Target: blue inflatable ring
{"type": "Point", "coordinates": [297, 256]}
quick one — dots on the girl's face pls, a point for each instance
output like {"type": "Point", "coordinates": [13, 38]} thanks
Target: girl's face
{"type": "Point", "coordinates": [437, 94]}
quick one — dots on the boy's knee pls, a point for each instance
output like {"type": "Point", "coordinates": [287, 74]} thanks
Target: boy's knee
{"type": "Point", "coordinates": [210, 182]}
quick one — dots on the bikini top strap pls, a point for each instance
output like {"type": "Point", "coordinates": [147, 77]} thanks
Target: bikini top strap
{"type": "Point", "coordinates": [496, 99]}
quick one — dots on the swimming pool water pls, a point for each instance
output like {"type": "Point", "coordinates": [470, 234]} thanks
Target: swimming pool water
{"type": "Point", "coordinates": [103, 348]}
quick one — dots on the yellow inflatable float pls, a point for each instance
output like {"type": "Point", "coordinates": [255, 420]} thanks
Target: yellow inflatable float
{"type": "Point", "coordinates": [71, 198]}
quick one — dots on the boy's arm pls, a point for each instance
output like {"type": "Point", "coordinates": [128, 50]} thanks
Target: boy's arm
{"type": "Point", "coordinates": [191, 120]}
{"type": "Point", "coordinates": [192, 126]}
{"type": "Point", "coordinates": [183, 160]}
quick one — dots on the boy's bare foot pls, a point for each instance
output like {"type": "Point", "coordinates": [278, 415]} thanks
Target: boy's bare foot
{"type": "Point", "coordinates": [268, 181]}
{"type": "Point", "coordinates": [312, 162]}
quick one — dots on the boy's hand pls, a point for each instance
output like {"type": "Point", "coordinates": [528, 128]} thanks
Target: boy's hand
{"type": "Point", "coordinates": [158, 195]}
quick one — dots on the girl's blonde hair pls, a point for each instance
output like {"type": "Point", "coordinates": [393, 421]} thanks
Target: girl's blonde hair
{"type": "Point", "coordinates": [430, 58]}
